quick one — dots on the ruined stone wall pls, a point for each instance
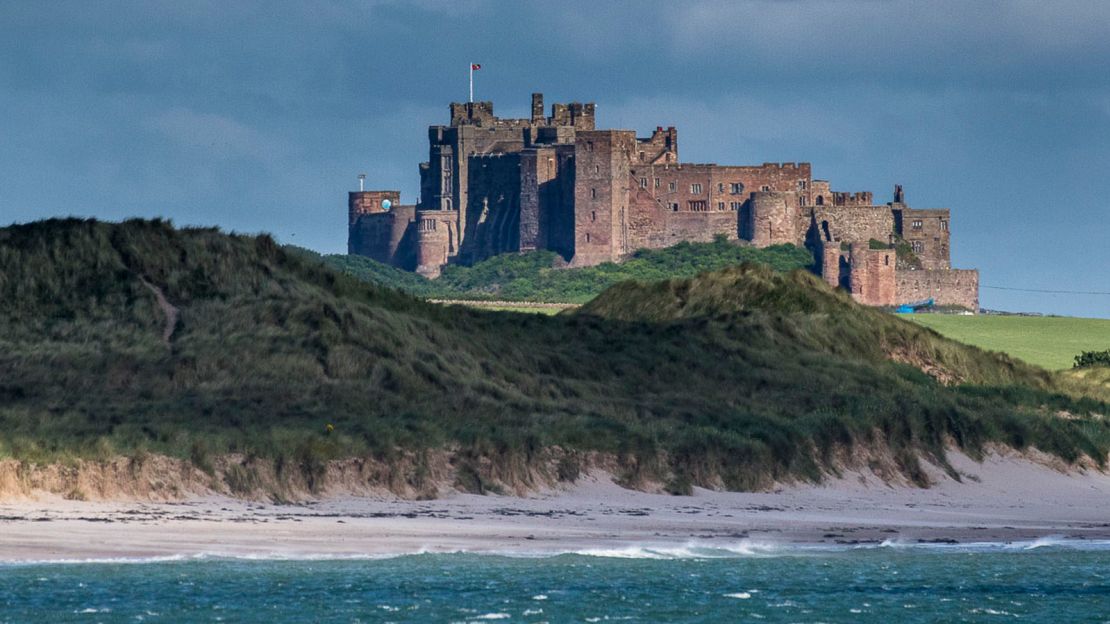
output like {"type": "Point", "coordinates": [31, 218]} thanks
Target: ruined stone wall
{"type": "Point", "coordinates": [381, 235]}
{"type": "Point", "coordinates": [927, 232]}
{"type": "Point", "coordinates": [872, 278]}
{"type": "Point", "coordinates": [958, 287]}
{"type": "Point", "coordinates": [660, 148]}
{"type": "Point", "coordinates": [854, 223]}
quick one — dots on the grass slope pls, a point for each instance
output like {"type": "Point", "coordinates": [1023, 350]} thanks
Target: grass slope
{"type": "Point", "coordinates": [1048, 341]}
{"type": "Point", "coordinates": [732, 379]}
{"type": "Point", "coordinates": [537, 276]}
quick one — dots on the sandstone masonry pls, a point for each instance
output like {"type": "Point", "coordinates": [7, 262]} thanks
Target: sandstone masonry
{"type": "Point", "coordinates": [494, 185]}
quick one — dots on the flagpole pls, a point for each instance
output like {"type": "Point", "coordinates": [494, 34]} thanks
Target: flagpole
{"type": "Point", "coordinates": [471, 82]}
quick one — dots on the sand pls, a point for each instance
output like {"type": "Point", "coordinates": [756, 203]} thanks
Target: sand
{"type": "Point", "coordinates": [1005, 498]}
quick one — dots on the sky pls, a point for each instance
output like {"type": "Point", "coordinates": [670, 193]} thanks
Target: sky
{"type": "Point", "coordinates": [258, 116]}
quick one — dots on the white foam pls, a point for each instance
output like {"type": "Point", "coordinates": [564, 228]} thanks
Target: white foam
{"type": "Point", "coordinates": [663, 551]}
{"type": "Point", "coordinates": [739, 595]}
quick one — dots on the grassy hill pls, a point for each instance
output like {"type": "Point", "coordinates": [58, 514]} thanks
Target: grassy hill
{"type": "Point", "coordinates": [1049, 341]}
{"type": "Point", "coordinates": [139, 339]}
{"type": "Point", "coordinates": [538, 276]}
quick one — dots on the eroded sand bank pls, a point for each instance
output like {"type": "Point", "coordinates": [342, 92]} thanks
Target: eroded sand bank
{"type": "Point", "coordinates": [1005, 498]}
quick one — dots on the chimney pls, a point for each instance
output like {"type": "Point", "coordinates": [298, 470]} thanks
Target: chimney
{"type": "Point", "coordinates": [537, 108]}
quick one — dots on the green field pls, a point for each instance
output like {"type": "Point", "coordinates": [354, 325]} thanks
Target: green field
{"type": "Point", "coordinates": [1051, 342]}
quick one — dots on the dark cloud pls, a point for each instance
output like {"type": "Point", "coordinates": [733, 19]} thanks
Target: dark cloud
{"type": "Point", "coordinates": [257, 116]}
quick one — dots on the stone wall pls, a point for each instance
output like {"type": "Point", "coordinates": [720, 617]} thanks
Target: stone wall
{"type": "Point", "coordinates": [493, 211]}
{"type": "Point", "coordinates": [854, 223]}
{"type": "Point", "coordinates": [958, 287]}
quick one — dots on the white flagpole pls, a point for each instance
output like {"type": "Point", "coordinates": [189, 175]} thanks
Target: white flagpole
{"type": "Point", "coordinates": [471, 82]}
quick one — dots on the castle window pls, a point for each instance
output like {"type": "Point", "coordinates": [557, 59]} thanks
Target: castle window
{"type": "Point", "coordinates": [801, 200]}
{"type": "Point", "coordinates": [736, 188]}
{"type": "Point", "coordinates": [820, 200]}
{"type": "Point", "coordinates": [641, 157]}
{"type": "Point", "coordinates": [643, 183]}
{"type": "Point", "coordinates": [765, 188]}
{"type": "Point", "coordinates": [593, 215]}
{"type": "Point", "coordinates": [672, 186]}
{"type": "Point", "coordinates": [587, 237]}
{"type": "Point", "coordinates": [698, 206]}
{"type": "Point", "coordinates": [674, 207]}
{"type": "Point", "coordinates": [943, 225]}
{"type": "Point", "coordinates": [916, 225]}
{"type": "Point", "coordinates": [695, 189]}
{"type": "Point", "coordinates": [734, 206]}
{"type": "Point", "coordinates": [886, 260]}
{"type": "Point", "coordinates": [597, 168]}
{"type": "Point", "coordinates": [721, 206]}
{"type": "Point", "coordinates": [802, 185]}
{"type": "Point", "coordinates": [593, 193]}
{"type": "Point", "coordinates": [720, 187]}
{"type": "Point", "coordinates": [918, 247]}
{"type": "Point", "coordinates": [656, 182]}
{"type": "Point", "coordinates": [589, 146]}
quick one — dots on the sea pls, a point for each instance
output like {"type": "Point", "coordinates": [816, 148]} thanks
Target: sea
{"type": "Point", "coordinates": [1047, 580]}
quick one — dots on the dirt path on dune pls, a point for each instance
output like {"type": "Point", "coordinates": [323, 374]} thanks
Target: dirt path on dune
{"type": "Point", "coordinates": [171, 313]}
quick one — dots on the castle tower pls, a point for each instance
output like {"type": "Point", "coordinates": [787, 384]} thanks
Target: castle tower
{"type": "Point", "coordinates": [431, 247]}
{"type": "Point", "coordinates": [872, 275]}
{"type": "Point", "coordinates": [602, 166]}
{"type": "Point", "coordinates": [769, 219]}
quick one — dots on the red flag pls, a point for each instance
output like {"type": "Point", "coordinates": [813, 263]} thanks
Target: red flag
{"type": "Point", "coordinates": [474, 66]}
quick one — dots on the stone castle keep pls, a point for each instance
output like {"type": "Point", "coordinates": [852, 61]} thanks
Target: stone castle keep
{"type": "Point", "coordinates": [494, 186]}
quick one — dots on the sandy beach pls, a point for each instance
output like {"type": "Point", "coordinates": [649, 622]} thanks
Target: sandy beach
{"type": "Point", "coordinates": [1005, 498]}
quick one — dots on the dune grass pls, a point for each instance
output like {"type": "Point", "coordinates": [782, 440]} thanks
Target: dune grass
{"type": "Point", "coordinates": [735, 379]}
{"type": "Point", "coordinates": [540, 276]}
{"type": "Point", "coordinates": [1051, 342]}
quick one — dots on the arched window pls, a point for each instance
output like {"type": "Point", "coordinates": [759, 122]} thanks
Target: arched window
{"type": "Point", "coordinates": [820, 200]}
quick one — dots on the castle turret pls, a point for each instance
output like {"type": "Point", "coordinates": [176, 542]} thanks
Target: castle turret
{"type": "Point", "coordinates": [431, 247]}
{"type": "Point", "coordinates": [872, 275]}
{"type": "Point", "coordinates": [769, 219]}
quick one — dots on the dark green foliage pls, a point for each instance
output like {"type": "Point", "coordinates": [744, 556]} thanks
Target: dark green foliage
{"type": "Point", "coordinates": [875, 243]}
{"type": "Point", "coordinates": [537, 276]}
{"type": "Point", "coordinates": [743, 377]}
{"type": "Point", "coordinates": [905, 256]}
{"type": "Point", "coordinates": [1093, 358]}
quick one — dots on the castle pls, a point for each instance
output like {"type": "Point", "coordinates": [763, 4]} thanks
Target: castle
{"type": "Point", "coordinates": [494, 186]}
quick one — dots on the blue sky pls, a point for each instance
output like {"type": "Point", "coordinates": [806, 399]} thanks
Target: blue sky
{"type": "Point", "coordinates": [258, 116]}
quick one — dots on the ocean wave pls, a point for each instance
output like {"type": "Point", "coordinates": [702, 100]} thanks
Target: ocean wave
{"type": "Point", "coordinates": [695, 549]}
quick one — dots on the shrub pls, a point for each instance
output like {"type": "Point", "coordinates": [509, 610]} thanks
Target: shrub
{"type": "Point", "coordinates": [1092, 358]}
